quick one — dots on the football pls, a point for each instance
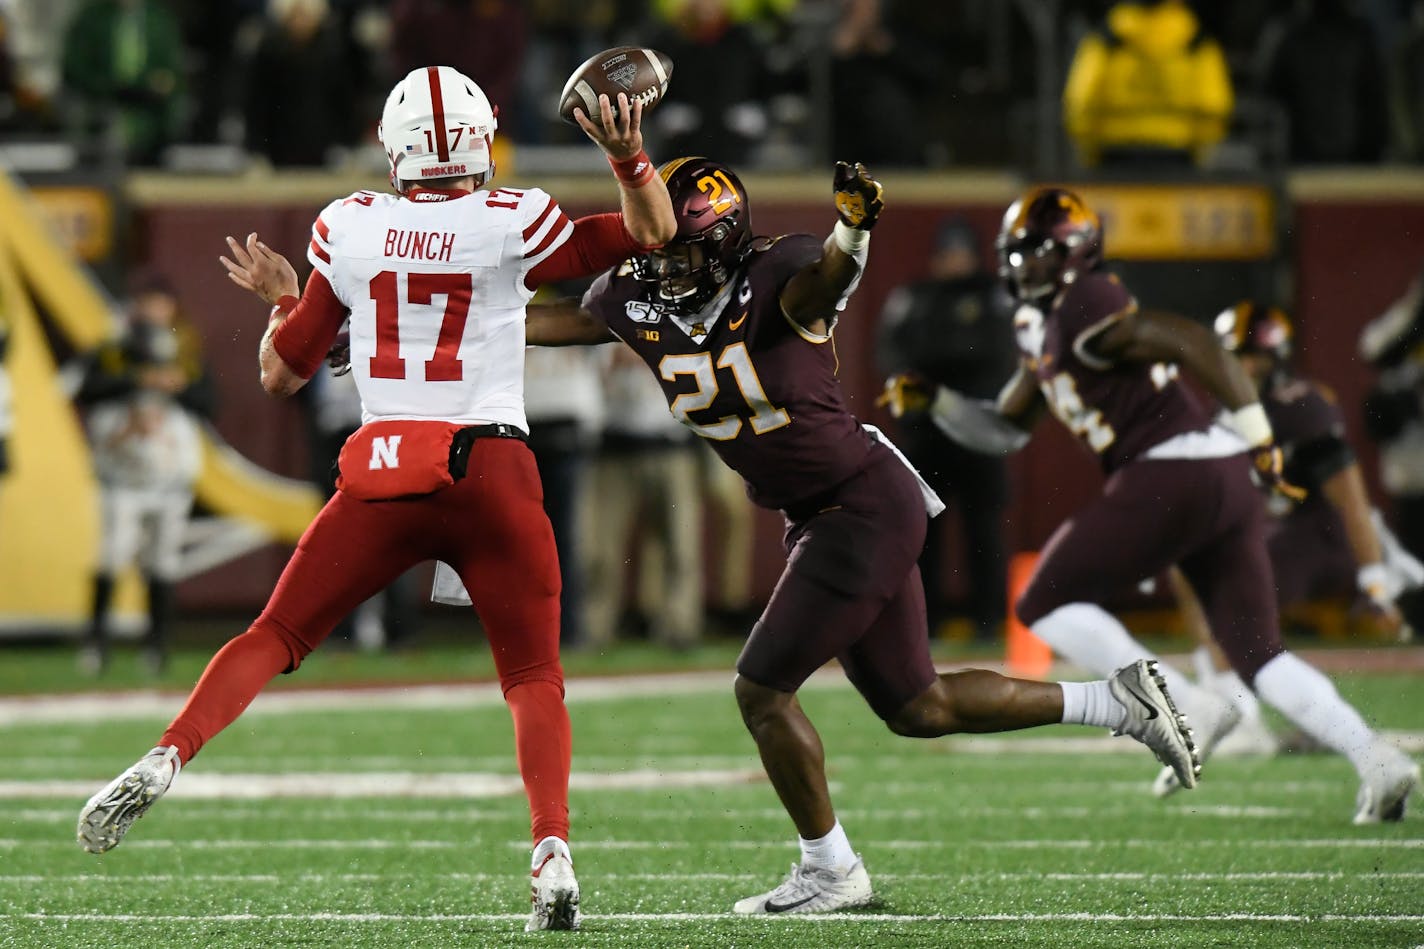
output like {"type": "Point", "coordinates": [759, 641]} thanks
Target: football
{"type": "Point", "coordinates": [642, 73]}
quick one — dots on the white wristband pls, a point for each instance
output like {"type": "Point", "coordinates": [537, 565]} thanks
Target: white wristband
{"type": "Point", "coordinates": [1375, 581]}
{"type": "Point", "coordinates": [1251, 424]}
{"type": "Point", "coordinates": [848, 239]}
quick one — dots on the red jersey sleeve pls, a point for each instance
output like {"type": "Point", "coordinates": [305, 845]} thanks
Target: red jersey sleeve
{"type": "Point", "coordinates": [309, 330]}
{"type": "Point", "coordinates": [596, 243]}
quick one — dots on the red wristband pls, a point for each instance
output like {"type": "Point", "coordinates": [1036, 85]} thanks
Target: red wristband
{"type": "Point", "coordinates": [634, 172]}
{"type": "Point", "coordinates": [283, 306]}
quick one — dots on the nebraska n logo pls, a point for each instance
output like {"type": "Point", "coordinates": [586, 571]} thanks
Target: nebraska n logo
{"type": "Point", "coordinates": [384, 452]}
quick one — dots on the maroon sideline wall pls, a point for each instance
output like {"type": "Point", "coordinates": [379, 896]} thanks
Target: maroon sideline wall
{"type": "Point", "coordinates": [1352, 258]}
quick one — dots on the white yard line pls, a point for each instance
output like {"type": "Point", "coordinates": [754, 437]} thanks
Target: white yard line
{"type": "Point", "coordinates": [25, 879]}
{"type": "Point", "coordinates": [404, 784]}
{"type": "Point", "coordinates": [1388, 843]}
{"type": "Point", "coordinates": [851, 917]}
{"type": "Point", "coordinates": [220, 808]}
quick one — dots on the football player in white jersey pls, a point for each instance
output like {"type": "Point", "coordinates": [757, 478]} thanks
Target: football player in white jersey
{"type": "Point", "coordinates": [434, 279]}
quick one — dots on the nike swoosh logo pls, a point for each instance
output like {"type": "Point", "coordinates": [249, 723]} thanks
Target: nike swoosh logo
{"type": "Point", "coordinates": [783, 907]}
{"type": "Point", "coordinates": [1152, 709]}
{"type": "Point", "coordinates": [736, 325]}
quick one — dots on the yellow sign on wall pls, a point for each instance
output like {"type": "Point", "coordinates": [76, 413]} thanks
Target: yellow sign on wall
{"type": "Point", "coordinates": [1184, 222]}
{"type": "Point", "coordinates": [82, 218]}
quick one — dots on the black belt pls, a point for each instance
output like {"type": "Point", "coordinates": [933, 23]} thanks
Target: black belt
{"type": "Point", "coordinates": [464, 440]}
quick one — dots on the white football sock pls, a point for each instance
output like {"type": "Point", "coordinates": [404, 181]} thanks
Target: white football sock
{"type": "Point", "coordinates": [547, 846]}
{"type": "Point", "coordinates": [831, 851]}
{"type": "Point", "coordinates": [1204, 663]}
{"type": "Point", "coordinates": [1091, 703]}
{"type": "Point", "coordinates": [1304, 695]}
{"type": "Point", "coordinates": [1229, 686]}
{"type": "Point", "coordinates": [1092, 637]}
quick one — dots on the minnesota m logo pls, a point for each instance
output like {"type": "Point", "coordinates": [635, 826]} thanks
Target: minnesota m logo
{"type": "Point", "coordinates": [384, 452]}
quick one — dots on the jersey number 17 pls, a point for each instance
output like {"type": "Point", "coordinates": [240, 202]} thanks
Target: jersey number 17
{"type": "Point", "coordinates": [421, 289]}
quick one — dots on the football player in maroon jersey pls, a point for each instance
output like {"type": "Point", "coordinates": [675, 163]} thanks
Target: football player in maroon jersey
{"type": "Point", "coordinates": [738, 329]}
{"type": "Point", "coordinates": [1178, 487]}
{"type": "Point", "coordinates": [1332, 543]}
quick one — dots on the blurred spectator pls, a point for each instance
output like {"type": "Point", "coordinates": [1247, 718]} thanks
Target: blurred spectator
{"type": "Point", "coordinates": [484, 39]}
{"type": "Point", "coordinates": [954, 328]}
{"type": "Point", "coordinates": [391, 618]}
{"type": "Point", "coordinates": [563, 401]}
{"type": "Point", "coordinates": [1393, 344]}
{"type": "Point", "coordinates": [123, 62]}
{"type": "Point", "coordinates": [1409, 86]}
{"type": "Point", "coordinates": [1148, 86]}
{"type": "Point", "coordinates": [9, 79]}
{"type": "Point", "coordinates": [140, 392]}
{"type": "Point", "coordinates": [1327, 72]}
{"type": "Point", "coordinates": [722, 117]}
{"type": "Point", "coordinates": [34, 41]}
{"type": "Point", "coordinates": [646, 485]}
{"type": "Point", "coordinates": [299, 100]}
{"type": "Point", "coordinates": [876, 70]}
{"type": "Point", "coordinates": [210, 34]}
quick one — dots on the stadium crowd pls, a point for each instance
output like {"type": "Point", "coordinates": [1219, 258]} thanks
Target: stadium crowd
{"type": "Point", "coordinates": [294, 82]}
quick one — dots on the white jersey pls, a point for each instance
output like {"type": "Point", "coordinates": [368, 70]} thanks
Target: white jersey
{"type": "Point", "coordinates": [435, 288]}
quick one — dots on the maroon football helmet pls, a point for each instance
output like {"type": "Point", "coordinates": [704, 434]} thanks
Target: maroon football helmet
{"type": "Point", "coordinates": [714, 232]}
{"type": "Point", "coordinates": [1048, 237]}
{"type": "Point", "coordinates": [1253, 327]}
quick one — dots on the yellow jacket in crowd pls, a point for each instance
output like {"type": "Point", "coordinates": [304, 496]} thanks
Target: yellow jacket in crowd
{"type": "Point", "coordinates": [1150, 81]}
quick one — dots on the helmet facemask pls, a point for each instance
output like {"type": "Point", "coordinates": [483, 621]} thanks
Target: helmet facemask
{"type": "Point", "coordinates": [689, 272]}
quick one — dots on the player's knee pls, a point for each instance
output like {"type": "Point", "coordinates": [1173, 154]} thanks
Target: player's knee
{"type": "Point", "coordinates": [1032, 606]}
{"type": "Point", "coordinates": [758, 703]}
{"type": "Point", "coordinates": [929, 715]}
{"type": "Point", "coordinates": [297, 648]}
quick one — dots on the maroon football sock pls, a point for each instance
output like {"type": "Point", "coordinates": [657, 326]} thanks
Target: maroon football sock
{"type": "Point", "coordinates": [543, 746]}
{"type": "Point", "coordinates": [229, 684]}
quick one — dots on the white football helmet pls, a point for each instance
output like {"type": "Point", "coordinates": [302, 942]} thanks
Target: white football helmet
{"type": "Point", "coordinates": [437, 124]}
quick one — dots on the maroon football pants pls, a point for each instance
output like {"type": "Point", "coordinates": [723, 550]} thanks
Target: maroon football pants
{"type": "Point", "coordinates": [1205, 515]}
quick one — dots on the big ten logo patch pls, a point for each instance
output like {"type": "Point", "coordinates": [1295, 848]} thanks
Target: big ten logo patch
{"type": "Point", "coordinates": [651, 336]}
{"type": "Point", "coordinates": [385, 452]}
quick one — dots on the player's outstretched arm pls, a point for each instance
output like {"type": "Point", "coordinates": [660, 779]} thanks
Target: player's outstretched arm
{"type": "Point", "coordinates": [647, 209]}
{"type": "Point", "coordinates": [1345, 490]}
{"type": "Point", "coordinates": [564, 324]}
{"type": "Point", "coordinates": [1152, 337]}
{"type": "Point", "coordinates": [269, 276]}
{"type": "Point", "coordinates": [993, 428]}
{"type": "Point", "coordinates": [812, 297]}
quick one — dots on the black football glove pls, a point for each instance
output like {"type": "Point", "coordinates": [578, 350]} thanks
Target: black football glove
{"type": "Point", "coordinates": [338, 357]}
{"type": "Point", "coordinates": [1268, 466]}
{"type": "Point", "coordinates": [859, 197]}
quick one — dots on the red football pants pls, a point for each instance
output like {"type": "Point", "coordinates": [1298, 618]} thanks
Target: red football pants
{"type": "Point", "coordinates": [491, 527]}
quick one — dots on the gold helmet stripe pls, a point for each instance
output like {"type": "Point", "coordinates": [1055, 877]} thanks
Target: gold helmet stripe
{"type": "Point", "coordinates": [666, 171]}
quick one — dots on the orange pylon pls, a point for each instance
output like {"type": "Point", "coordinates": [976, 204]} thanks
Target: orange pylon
{"type": "Point", "coordinates": [1026, 655]}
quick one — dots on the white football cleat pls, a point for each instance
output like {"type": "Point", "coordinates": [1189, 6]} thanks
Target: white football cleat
{"type": "Point", "coordinates": [1152, 718]}
{"type": "Point", "coordinates": [109, 814]}
{"type": "Point", "coordinates": [1386, 781]}
{"type": "Point", "coordinates": [1215, 719]}
{"type": "Point", "coordinates": [554, 889]}
{"type": "Point", "coordinates": [813, 890]}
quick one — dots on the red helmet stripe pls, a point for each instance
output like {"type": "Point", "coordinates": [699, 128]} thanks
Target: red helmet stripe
{"type": "Point", "coordinates": [437, 107]}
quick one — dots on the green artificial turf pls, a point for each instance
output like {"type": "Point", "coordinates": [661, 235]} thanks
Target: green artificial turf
{"type": "Point", "coordinates": [1024, 842]}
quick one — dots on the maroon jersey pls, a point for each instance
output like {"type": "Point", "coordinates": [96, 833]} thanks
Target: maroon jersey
{"type": "Point", "coordinates": [1119, 410]}
{"type": "Point", "coordinates": [1310, 429]}
{"type": "Point", "coordinates": [762, 390]}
